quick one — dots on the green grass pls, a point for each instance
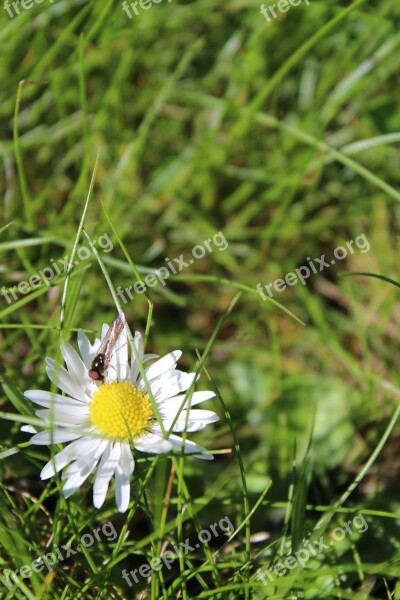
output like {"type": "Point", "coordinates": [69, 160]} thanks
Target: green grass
{"type": "Point", "coordinates": [159, 132]}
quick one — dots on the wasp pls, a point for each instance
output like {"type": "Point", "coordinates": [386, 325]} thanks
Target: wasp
{"type": "Point", "coordinates": [102, 359]}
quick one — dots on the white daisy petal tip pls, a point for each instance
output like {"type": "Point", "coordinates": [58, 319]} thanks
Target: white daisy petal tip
{"type": "Point", "coordinates": [47, 472]}
{"type": "Point", "coordinates": [98, 500]}
{"type": "Point", "coordinates": [204, 456]}
{"type": "Point", "coordinates": [28, 429]}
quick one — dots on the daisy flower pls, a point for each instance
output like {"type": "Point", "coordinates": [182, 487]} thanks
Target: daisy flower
{"type": "Point", "coordinates": [101, 418]}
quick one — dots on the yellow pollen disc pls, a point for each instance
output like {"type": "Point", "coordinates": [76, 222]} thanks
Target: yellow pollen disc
{"type": "Point", "coordinates": [120, 410]}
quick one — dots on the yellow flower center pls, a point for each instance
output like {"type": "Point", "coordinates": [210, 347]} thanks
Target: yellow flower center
{"type": "Point", "coordinates": [120, 411]}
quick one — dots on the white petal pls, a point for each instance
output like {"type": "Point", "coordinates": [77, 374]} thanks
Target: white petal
{"type": "Point", "coordinates": [177, 382]}
{"type": "Point", "coordinates": [123, 478]}
{"type": "Point", "coordinates": [126, 462]}
{"type": "Point", "coordinates": [138, 356]}
{"type": "Point", "coordinates": [118, 368]}
{"type": "Point", "coordinates": [163, 364]}
{"type": "Point", "coordinates": [78, 369]}
{"type": "Point", "coordinates": [80, 470]}
{"type": "Point", "coordinates": [28, 429]}
{"type": "Point", "coordinates": [66, 382]}
{"type": "Point", "coordinates": [57, 436]}
{"type": "Point", "coordinates": [122, 356]}
{"type": "Point", "coordinates": [197, 420]}
{"type": "Point", "coordinates": [81, 447]}
{"type": "Point", "coordinates": [78, 473]}
{"type": "Point", "coordinates": [88, 351]}
{"type": "Point", "coordinates": [106, 470]}
{"type": "Point", "coordinates": [62, 418]}
{"type": "Point", "coordinates": [175, 403]}
{"type": "Point", "coordinates": [147, 357]}
{"type": "Point", "coordinates": [75, 364]}
{"type": "Point", "coordinates": [153, 443]}
{"type": "Point", "coordinates": [138, 343]}
{"type": "Point", "coordinates": [189, 448]}
{"type": "Point", "coordinates": [48, 400]}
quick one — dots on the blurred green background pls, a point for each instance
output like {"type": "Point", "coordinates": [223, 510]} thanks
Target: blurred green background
{"type": "Point", "coordinates": [207, 118]}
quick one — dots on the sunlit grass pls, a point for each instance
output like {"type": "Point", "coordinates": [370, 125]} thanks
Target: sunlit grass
{"type": "Point", "coordinates": [160, 131]}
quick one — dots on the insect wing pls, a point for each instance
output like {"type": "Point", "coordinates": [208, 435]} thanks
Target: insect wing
{"type": "Point", "coordinates": [111, 337]}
